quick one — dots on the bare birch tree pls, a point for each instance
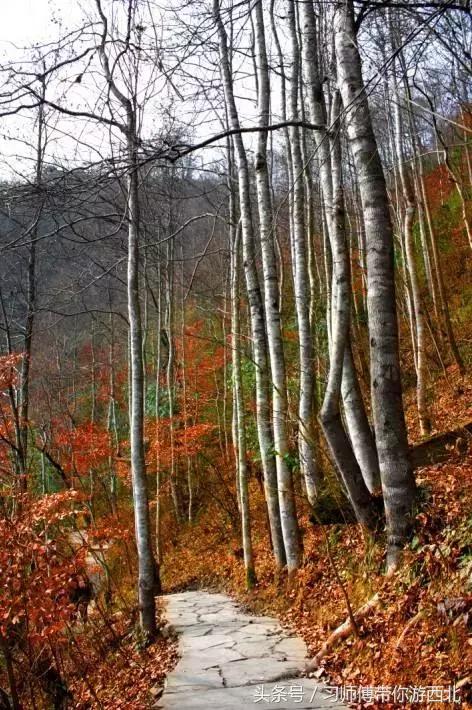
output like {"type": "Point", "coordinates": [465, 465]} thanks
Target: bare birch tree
{"type": "Point", "coordinates": [306, 434]}
{"type": "Point", "coordinates": [146, 562]}
{"type": "Point", "coordinates": [278, 518]}
{"type": "Point", "coordinates": [397, 477]}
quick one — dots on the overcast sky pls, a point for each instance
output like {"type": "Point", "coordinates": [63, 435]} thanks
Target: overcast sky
{"type": "Point", "coordinates": [27, 21]}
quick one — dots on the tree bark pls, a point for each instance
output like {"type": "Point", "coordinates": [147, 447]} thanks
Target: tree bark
{"type": "Point", "coordinates": [306, 431]}
{"type": "Point", "coordinates": [170, 374]}
{"type": "Point", "coordinates": [396, 472]}
{"type": "Point", "coordinates": [146, 563]}
{"type": "Point", "coordinates": [340, 312]}
{"type": "Point", "coordinates": [277, 517]}
{"type": "Point", "coordinates": [24, 388]}
{"type": "Point", "coordinates": [272, 308]}
{"type": "Point", "coordinates": [417, 302]}
{"type": "Point", "coordinates": [356, 418]}
{"type": "Point", "coordinates": [360, 433]}
{"type": "Point", "coordinates": [239, 405]}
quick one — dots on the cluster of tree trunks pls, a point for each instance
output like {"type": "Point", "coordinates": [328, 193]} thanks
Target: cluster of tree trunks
{"type": "Point", "coordinates": [352, 197]}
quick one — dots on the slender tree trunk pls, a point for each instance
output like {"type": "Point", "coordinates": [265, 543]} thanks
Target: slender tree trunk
{"type": "Point", "coordinates": [239, 404]}
{"type": "Point", "coordinates": [233, 225]}
{"type": "Point", "coordinates": [340, 312]}
{"type": "Point", "coordinates": [283, 115]}
{"type": "Point", "coordinates": [146, 563]}
{"type": "Point", "coordinates": [157, 415]}
{"type": "Point", "coordinates": [443, 301]}
{"type": "Point", "coordinates": [277, 517]}
{"type": "Point", "coordinates": [356, 418]}
{"type": "Point", "coordinates": [316, 103]}
{"type": "Point", "coordinates": [417, 302]}
{"type": "Point", "coordinates": [170, 376]}
{"type": "Point", "coordinates": [111, 419]}
{"type": "Point", "coordinates": [271, 301]}
{"type": "Point", "coordinates": [93, 384]}
{"type": "Point", "coordinates": [225, 367]}
{"type": "Point", "coordinates": [24, 389]}
{"type": "Point", "coordinates": [396, 472]}
{"type": "Point", "coordinates": [360, 433]}
{"type": "Point", "coordinates": [15, 700]}
{"type": "Point", "coordinates": [306, 430]}
{"type": "Point", "coordinates": [184, 397]}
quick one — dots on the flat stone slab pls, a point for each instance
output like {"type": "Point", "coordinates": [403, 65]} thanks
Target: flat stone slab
{"type": "Point", "coordinates": [251, 671]}
{"type": "Point", "coordinates": [230, 660]}
{"type": "Point", "coordinates": [283, 695]}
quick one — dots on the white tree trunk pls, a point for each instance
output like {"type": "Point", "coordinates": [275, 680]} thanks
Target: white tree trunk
{"type": "Point", "coordinates": [398, 482]}
{"type": "Point", "coordinates": [170, 376]}
{"type": "Point", "coordinates": [287, 504]}
{"type": "Point", "coordinates": [356, 418]}
{"type": "Point", "coordinates": [340, 313]}
{"type": "Point", "coordinates": [146, 563]}
{"type": "Point", "coordinates": [306, 431]}
{"type": "Point", "coordinates": [256, 309]}
{"type": "Point", "coordinates": [241, 454]}
{"type": "Point", "coordinates": [420, 324]}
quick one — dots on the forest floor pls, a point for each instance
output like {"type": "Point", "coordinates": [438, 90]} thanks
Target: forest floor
{"type": "Point", "coordinates": [123, 673]}
{"type": "Point", "coordinates": [418, 634]}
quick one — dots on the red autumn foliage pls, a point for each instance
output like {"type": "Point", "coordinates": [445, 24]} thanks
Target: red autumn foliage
{"type": "Point", "coordinates": [81, 447]}
{"type": "Point", "coordinates": [37, 569]}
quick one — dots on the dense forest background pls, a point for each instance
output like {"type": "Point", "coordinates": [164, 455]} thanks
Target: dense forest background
{"type": "Point", "coordinates": [236, 337]}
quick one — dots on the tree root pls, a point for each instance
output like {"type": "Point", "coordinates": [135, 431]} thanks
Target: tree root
{"type": "Point", "coordinates": [412, 622]}
{"type": "Point", "coordinates": [342, 631]}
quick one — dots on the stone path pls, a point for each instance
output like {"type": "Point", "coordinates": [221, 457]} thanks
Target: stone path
{"type": "Point", "coordinates": [230, 660]}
